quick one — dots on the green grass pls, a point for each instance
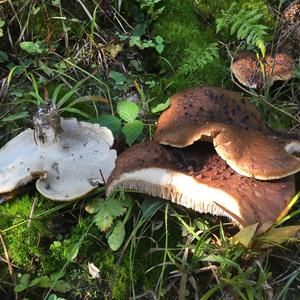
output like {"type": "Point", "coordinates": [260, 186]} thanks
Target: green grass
{"type": "Point", "coordinates": [91, 60]}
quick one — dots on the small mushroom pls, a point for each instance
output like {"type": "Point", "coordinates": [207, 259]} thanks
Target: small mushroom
{"type": "Point", "coordinates": [238, 132]}
{"type": "Point", "coordinates": [292, 12]}
{"type": "Point", "coordinates": [248, 71]}
{"type": "Point", "coordinates": [68, 158]}
{"type": "Point", "coordinates": [197, 178]}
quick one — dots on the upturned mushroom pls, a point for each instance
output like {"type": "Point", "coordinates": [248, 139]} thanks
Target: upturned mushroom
{"type": "Point", "coordinates": [236, 129]}
{"type": "Point", "coordinates": [68, 158]}
{"type": "Point", "coordinates": [248, 69]}
{"type": "Point", "coordinates": [197, 178]}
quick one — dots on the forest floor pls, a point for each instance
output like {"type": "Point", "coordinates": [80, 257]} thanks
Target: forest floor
{"type": "Point", "coordinates": [93, 56]}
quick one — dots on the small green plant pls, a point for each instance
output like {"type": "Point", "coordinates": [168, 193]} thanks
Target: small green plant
{"type": "Point", "coordinates": [106, 213]}
{"type": "Point", "coordinates": [53, 281]}
{"type": "Point", "coordinates": [128, 123]}
{"type": "Point", "coordinates": [246, 25]}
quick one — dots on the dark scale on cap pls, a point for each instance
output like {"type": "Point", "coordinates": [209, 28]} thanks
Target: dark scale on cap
{"type": "Point", "coordinates": [257, 201]}
{"type": "Point", "coordinates": [209, 104]}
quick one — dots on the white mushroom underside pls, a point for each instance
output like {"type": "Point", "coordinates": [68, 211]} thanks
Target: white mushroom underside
{"type": "Point", "coordinates": [178, 188]}
{"type": "Point", "coordinates": [68, 169]}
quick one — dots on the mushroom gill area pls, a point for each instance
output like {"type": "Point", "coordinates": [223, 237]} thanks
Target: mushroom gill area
{"type": "Point", "coordinates": [196, 177]}
{"type": "Point", "coordinates": [67, 158]}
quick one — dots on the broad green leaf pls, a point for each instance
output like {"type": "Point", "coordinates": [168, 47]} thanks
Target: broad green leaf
{"type": "Point", "coordinates": [62, 286]}
{"type": "Point", "coordinates": [162, 106]}
{"type": "Point", "coordinates": [33, 47]}
{"type": "Point", "coordinates": [111, 122]}
{"type": "Point", "coordinates": [54, 297]}
{"type": "Point", "coordinates": [71, 252]}
{"type": "Point", "coordinates": [132, 131]}
{"type": "Point", "coordinates": [128, 111]}
{"type": "Point", "coordinates": [57, 275]}
{"type": "Point", "coordinates": [160, 48]}
{"type": "Point", "coordinates": [23, 284]}
{"type": "Point", "coordinates": [116, 238]}
{"type": "Point", "coordinates": [117, 77]}
{"type": "Point", "coordinates": [159, 39]}
{"type": "Point", "coordinates": [43, 281]}
{"type": "Point", "coordinates": [245, 235]}
{"type": "Point", "coordinates": [3, 56]}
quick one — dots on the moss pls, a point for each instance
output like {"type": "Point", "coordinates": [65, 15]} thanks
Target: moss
{"type": "Point", "coordinates": [191, 56]}
{"type": "Point", "coordinates": [22, 241]}
{"type": "Point", "coordinates": [188, 40]}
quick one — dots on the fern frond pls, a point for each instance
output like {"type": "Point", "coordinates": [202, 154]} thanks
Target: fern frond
{"type": "Point", "coordinates": [198, 60]}
{"type": "Point", "coordinates": [245, 25]}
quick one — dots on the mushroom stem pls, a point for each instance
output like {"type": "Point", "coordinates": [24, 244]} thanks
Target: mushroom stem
{"type": "Point", "coordinates": [47, 124]}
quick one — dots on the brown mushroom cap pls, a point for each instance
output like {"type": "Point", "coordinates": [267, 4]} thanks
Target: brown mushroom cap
{"type": "Point", "coordinates": [239, 134]}
{"type": "Point", "coordinates": [292, 12]}
{"type": "Point", "coordinates": [196, 177]}
{"type": "Point", "coordinates": [247, 69]}
{"type": "Point", "coordinates": [202, 106]}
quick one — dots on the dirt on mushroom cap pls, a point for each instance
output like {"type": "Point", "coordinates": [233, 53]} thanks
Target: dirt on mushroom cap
{"type": "Point", "coordinates": [71, 167]}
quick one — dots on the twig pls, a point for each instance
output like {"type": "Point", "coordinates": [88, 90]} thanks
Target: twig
{"type": "Point", "coordinates": [10, 268]}
{"type": "Point", "coordinates": [32, 211]}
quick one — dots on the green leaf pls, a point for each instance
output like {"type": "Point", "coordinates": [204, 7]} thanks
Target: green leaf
{"type": "Point", "coordinates": [117, 77]}
{"type": "Point", "coordinates": [132, 131]}
{"type": "Point", "coordinates": [20, 115]}
{"type": "Point", "coordinates": [159, 39]}
{"type": "Point", "coordinates": [62, 286]}
{"type": "Point", "coordinates": [127, 110]}
{"type": "Point", "coordinates": [162, 106]}
{"type": "Point", "coordinates": [111, 122]}
{"type": "Point", "coordinates": [43, 281]}
{"type": "Point", "coordinates": [23, 285]}
{"type": "Point", "coordinates": [54, 297]}
{"type": "Point", "coordinates": [116, 238]}
{"type": "Point", "coordinates": [160, 48]}
{"type": "Point", "coordinates": [33, 47]}
{"type": "Point", "coordinates": [3, 56]}
{"type": "Point", "coordinates": [106, 211]}
{"type": "Point", "coordinates": [57, 275]}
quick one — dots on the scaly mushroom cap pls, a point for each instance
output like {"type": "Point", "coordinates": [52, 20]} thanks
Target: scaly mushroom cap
{"type": "Point", "coordinates": [246, 68]}
{"type": "Point", "coordinates": [239, 134]}
{"type": "Point", "coordinates": [292, 12]}
{"type": "Point", "coordinates": [197, 178]}
{"type": "Point", "coordinates": [279, 67]}
{"type": "Point", "coordinates": [69, 168]}
{"type": "Point", "coordinates": [204, 106]}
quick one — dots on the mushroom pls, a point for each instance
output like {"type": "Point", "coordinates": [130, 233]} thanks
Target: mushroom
{"type": "Point", "coordinates": [292, 12]}
{"type": "Point", "coordinates": [248, 70]}
{"type": "Point", "coordinates": [197, 178]}
{"type": "Point", "coordinates": [236, 129]}
{"type": "Point", "coordinates": [68, 158]}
